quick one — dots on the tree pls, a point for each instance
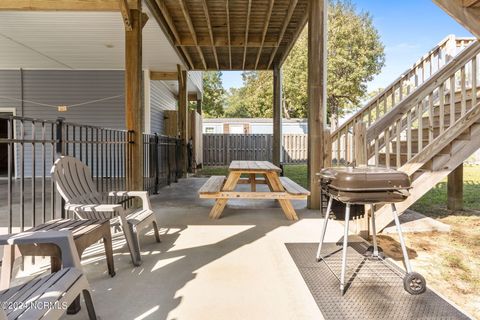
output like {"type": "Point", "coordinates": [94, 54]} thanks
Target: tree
{"type": "Point", "coordinates": [236, 106]}
{"type": "Point", "coordinates": [213, 102]}
{"type": "Point", "coordinates": [355, 56]}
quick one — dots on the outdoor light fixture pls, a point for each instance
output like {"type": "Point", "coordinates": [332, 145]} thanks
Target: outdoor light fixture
{"type": "Point", "coordinates": [62, 108]}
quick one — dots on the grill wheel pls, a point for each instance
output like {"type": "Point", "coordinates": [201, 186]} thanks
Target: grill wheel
{"type": "Point", "coordinates": [414, 283]}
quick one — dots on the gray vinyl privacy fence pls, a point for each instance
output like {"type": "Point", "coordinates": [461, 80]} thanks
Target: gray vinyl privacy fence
{"type": "Point", "coordinates": [221, 149]}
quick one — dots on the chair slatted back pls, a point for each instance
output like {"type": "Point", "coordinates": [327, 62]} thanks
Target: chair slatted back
{"type": "Point", "coordinates": [74, 181]}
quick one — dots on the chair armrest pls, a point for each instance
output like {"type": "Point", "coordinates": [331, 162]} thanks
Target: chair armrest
{"type": "Point", "coordinates": [139, 194]}
{"type": "Point", "coordinates": [62, 239]}
{"type": "Point", "coordinates": [93, 207]}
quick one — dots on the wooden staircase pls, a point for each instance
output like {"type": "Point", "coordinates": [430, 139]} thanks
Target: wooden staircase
{"type": "Point", "coordinates": [466, 12]}
{"type": "Point", "coordinates": [427, 133]}
{"type": "Point", "coordinates": [433, 163]}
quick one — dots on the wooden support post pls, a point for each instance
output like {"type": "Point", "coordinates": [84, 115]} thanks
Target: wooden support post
{"type": "Point", "coordinates": [360, 143]}
{"type": "Point", "coordinates": [327, 152]}
{"type": "Point", "coordinates": [134, 114]}
{"type": "Point", "coordinates": [317, 85]}
{"type": "Point", "coordinates": [183, 118]}
{"type": "Point", "coordinates": [455, 189]}
{"type": "Point", "coordinates": [277, 115]}
{"type": "Point", "coordinates": [361, 224]}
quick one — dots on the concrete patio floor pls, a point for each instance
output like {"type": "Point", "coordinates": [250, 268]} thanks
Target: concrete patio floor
{"type": "Point", "coordinates": [236, 267]}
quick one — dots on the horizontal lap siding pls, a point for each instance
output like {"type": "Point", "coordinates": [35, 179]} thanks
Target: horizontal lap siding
{"type": "Point", "coordinates": [161, 99]}
{"type": "Point", "coordinates": [63, 87]}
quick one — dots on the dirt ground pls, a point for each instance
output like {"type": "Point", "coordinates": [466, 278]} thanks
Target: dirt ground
{"type": "Point", "coordinates": [450, 262]}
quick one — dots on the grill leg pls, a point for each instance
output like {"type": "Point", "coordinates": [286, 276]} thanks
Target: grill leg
{"type": "Point", "coordinates": [374, 232]}
{"type": "Point", "coordinates": [402, 241]}
{"type": "Point", "coordinates": [344, 250]}
{"type": "Point", "coordinates": [324, 230]}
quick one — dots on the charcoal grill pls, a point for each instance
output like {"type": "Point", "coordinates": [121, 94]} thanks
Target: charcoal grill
{"type": "Point", "coordinates": [368, 186]}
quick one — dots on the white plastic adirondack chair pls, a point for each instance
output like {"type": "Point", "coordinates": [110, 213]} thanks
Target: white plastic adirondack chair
{"type": "Point", "coordinates": [57, 289]}
{"type": "Point", "coordinates": [74, 183]}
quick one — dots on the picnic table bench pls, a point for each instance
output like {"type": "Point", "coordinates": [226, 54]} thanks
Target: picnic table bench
{"type": "Point", "coordinates": [282, 189]}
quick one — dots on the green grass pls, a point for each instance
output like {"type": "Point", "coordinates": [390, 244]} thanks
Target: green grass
{"type": "Point", "coordinates": [432, 204]}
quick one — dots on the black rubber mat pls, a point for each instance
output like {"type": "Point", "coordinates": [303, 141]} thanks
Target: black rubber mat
{"type": "Point", "coordinates": [374, 288]}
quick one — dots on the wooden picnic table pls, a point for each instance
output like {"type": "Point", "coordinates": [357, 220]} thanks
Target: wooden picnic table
{"type": "Point", "coordinates": [281, 189]}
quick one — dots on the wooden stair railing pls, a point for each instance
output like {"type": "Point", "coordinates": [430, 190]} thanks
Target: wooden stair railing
{"type": "Point", "coordinates": [406, 122]}
{"type": "Point", "coordinates": [431, 131]}
{"type": "Point", "coordinates": [436, 160]}
{"type": "Point", "coordinates": [410, 81]}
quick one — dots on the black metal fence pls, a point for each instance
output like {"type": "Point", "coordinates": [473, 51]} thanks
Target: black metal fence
{"type": "Point", "coordinates": [161, 166]}
{"type": "Point", "coordinates": [29, 147]}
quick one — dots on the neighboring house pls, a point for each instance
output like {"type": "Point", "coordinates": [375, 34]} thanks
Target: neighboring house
{"type": "Point", "coordinates": [253, 126]}
{"type": "Point", "coordinates": [87, 69]}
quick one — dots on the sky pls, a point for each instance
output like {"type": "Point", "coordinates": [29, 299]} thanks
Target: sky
{"type": "Point", "coordinates": [408, 29]}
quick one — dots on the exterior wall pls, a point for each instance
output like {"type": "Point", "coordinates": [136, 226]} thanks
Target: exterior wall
{"type": "Point", "coordinates": [161, 99]}
{"type": "Point", "coordinates": [213, 127]}
{"type": "Point", "coordinates": [197, 78]}
{"type": "Point", "coordinates": [62, 87]}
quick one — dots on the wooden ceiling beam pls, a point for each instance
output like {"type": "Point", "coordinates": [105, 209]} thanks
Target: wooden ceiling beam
{"type": "Point", "coordinates": [254, 41]}
{"type": "Point", "coordinates": [227, 8]}
{"type": "Point", "coordinates": [210, 32]}
{"type": "Point", "coordinates": [186, 15]}
{"type": "Point", "coordinates": [65, 5]}
{"type": "Point", "coordinates": [192, 97]}
{"type": "Point", "coordinates": [295, 36]}
{"type": "Point", "coordinates": [264, 33]}
{"type": "Point", "coordinates": [166, 23]}
{"type": "Point", "coordinates": [127, 17]}
{"type": "Point", "coordinates": [246, 32]}
{"type": "Point", "coordinates": [291, 9]}
{"type": "Point", "coordinates": [470, 3]}
{"type": "Point", "coordinates": [163, 75]}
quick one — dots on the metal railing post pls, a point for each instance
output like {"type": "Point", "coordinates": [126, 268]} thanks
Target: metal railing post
{"type": "Point", "coordinates": [60, 151]}
{"type": "Point", "coordinates": [156, 163]}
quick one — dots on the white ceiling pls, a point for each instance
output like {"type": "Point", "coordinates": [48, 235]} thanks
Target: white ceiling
{"type": "Point", "coordinates": [77, 40]}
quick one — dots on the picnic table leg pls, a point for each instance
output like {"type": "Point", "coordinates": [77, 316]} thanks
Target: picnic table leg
{"type": "Point", "coordinates": [276, 185]}
{"type": "Point", "coordinates": [252, 182]}
{"type": "Point", "coordinates": [220, 204]}
{"type": "Point", "coordinates": [268, 183]}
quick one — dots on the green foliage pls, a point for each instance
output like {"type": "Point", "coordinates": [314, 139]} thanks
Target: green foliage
{"type": "Point", "coordinates": [355, 56]}
{"type": "Point", "coordinates": [213, 95]}
{"type": "Point", "coordinates": [237, 108]}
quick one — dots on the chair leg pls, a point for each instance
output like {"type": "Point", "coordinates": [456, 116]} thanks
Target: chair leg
{"type": "Point", "coordinates": [7, 266]}
{"type": "Point", "coordinates": [136, 257]}
{"type": "Point", "coordinates": [155, 229]}
{"type": "Point", "coordinates": [89, 303]}
{"type": "Point", "coordinates": [107, 243]}
{"type": "Point", "coordinates": [127, 232]}
{"type": "Point", "coordinates": [344, 249]}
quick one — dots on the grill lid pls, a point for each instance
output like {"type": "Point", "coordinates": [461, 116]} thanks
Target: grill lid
{"type": "Point", "coordinates": [363, 179]}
